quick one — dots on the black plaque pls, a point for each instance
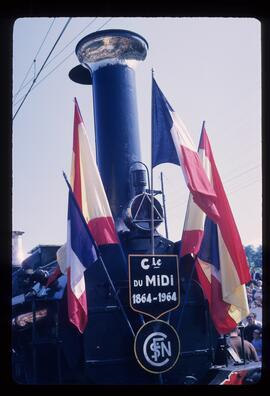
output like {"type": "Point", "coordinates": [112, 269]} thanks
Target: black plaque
{"type": "Point", "coordinates": [153, 284]}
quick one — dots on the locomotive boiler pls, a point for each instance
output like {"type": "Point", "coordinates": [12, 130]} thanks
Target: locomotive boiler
{"type": "Point", "coordinates": [46, 347]}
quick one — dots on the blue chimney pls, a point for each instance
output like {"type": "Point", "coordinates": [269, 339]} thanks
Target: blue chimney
{"type": "Point", "coordinates": [111, 56]}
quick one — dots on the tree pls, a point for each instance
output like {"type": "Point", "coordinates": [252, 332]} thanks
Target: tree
{"type": "Point", "coordinates": [254, 256]}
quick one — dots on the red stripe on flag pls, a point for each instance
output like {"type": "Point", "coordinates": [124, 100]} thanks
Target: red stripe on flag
{"type": "Point", "coordinates": [77, 307]}
{"type": "Point", "coordinates": [103, 230]}
{"type": "Point", "coordinates": [203, 194]}
{"type": "Point", "coordinates": [226, 221]}
{"type": "Point", "coordinates": [191, 241]}
{"type": "Point", "coordinates": [218, 308]}
{"type": "Point", "coordinates": [205, 284]}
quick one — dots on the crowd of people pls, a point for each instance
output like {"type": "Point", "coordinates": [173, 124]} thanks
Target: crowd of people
{"type": "Point", "coordinates": [251, 326]}
{"type": "Point", "coordinates": [254, 293]}
{"type": "Point", "coordinates": [250, 348]}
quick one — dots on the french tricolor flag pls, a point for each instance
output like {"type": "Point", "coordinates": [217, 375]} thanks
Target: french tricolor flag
{"type": "Point", "coordinates": [81, 252]}
{"type": "Point", "coordinates": [92, 202]}
{"type": "Point", "coordinates": [221, 263]}
{"type": "Point", "coordinates": [171, 142]}
{"type": "Point", "coordinates": [89, 192]}
{"type": "Point", "coordinates": [193, 229]}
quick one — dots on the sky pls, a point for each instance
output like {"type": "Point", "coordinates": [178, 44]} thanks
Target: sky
{"type": "Point", "coordinates": [208, 69]}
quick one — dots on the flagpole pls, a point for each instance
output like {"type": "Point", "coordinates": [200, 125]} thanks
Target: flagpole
{"type": "Point", "coordinates": [152, 178]}
{"type": "Point", "coordinates": [116, 296]}
{"type": "Point", "coordinates": [99, 257]}
{"type": "Point", "coordinates": [164, 205]}
{"type": "Point", "coordinates": [152, 193]}
{"type": "Point", "coordinates": [203, 126]}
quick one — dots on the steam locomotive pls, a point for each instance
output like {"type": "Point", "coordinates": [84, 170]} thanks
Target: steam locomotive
{"type": "Point", "coordinates": [46, 347]}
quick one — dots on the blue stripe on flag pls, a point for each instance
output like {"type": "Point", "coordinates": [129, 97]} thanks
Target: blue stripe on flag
{"type": "Point", "coordinates": [81, 241]}
{"type": "Point", "coordinates": [209, 250]}
{"type": "Point", "coordinates": [163, 148]}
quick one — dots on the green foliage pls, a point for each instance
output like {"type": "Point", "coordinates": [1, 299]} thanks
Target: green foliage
{"type": "Point", "coordinates": [254, 256]}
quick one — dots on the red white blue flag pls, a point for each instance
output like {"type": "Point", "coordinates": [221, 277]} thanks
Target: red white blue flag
{"type": "Point", "coordinates": [221, 263]}
{"type": "Point", "coordinates": [193, 230]}
{"type": "Point", "coordinates": [81, 252]}
{"type": "Point", "coordinates": [171, 142]}
{"type": "Point", "coordinates": [92, 201]}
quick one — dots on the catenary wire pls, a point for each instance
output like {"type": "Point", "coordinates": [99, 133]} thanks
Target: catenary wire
{"type": "Point", "coordinates": [40, 70]}
{"type": "Point", "coordinates": [60, 52]}
{"type": "Point", "coordinates": [59, 64]}
{"type": "Point", "coordinates": [34, 61]}
{"type": "Point", "coordinates": [224, 182]}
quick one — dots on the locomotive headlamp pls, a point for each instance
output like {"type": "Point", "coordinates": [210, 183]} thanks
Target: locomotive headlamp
{"type": "Point", "coordinates": [138, 213]}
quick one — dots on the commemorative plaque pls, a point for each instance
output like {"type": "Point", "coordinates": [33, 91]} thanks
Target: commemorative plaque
{"type": "Point", "coordinates": [153, 284]}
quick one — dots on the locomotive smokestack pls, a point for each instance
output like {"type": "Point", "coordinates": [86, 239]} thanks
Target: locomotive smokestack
{"type": "Point", "coordinates": [111, 56]}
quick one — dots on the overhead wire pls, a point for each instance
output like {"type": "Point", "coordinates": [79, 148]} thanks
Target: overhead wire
{"type": "Point", "coordinates": [34, 61]}
{"type": "Point", "coordinates": [40, 70]}
{"type": "Point", "coordinates": [175, 189]}
{"type": "Point", "coordinates": [243, 187]}
{"type": "Point", "coordinates": [58, 65]}
{"type": "Point", "coordinates": [68, 56]}
{"type": "Point", "coordinates": [231, 191]}
{"type": "Point", "coordinates": [60, 52]}
{"type": "Point", "coordinates": [183, 202]}
{"type": "Point", "coordinates": [71, 41]}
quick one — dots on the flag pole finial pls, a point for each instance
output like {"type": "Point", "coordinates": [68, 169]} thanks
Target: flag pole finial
{"type": "Point", "coordinates": [66, 179]}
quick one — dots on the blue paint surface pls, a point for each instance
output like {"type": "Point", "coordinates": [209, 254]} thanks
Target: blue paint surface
{"type": "Point", "coordinates": [117, 131]}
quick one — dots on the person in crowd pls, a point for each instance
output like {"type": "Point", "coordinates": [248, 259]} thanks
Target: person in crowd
{"type": "Point", "coordinates": [257, 342]}
{"type": "Point", "coordinates": [257, 276]}
{"type": "Point", "coordinates": [252, 324]}
{"type": "Point", "coordinates": [249, 349]}
{"type": "Point", "coordinates": [258, 301]}
{"type": "Point", "coordinates": [252, 288]}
